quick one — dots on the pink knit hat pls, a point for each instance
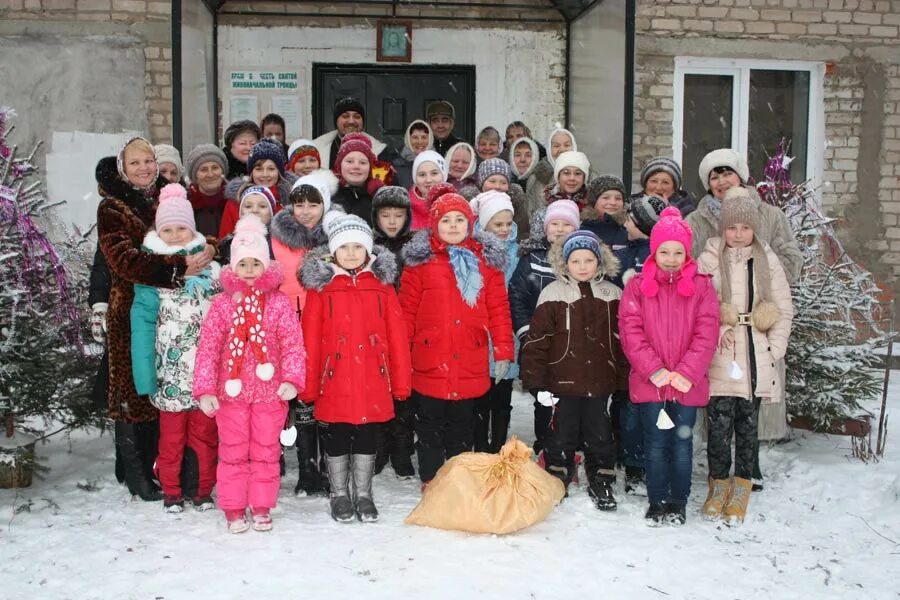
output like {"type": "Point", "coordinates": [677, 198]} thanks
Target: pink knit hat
{"type": "Point", "coordinates": [670, 228]}
{"type": "Point", "coordinates": [174, 208]}
{"type": "Point", "coordinates": [565, 210]}
{"type": "Point", "coordinates": [249, 241]}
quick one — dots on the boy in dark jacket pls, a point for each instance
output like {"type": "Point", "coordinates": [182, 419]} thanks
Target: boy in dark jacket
{"type": "Point", "coordinates": [572, 350]}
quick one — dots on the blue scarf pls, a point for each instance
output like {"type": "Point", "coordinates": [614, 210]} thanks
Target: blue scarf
{"type": "Point", "coordinates": [714, 205]}
{"type": "Point", "coordinates": [468, 275]}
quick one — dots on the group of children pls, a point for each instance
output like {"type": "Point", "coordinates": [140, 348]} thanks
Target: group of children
{"type": "Point", "coordinates": [415, 326]}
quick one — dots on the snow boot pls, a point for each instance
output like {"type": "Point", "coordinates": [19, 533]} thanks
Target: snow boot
{"type": "Point", "coordinates": [339, 480]}
{"type": "Point", "coordinates": [261, 520]}
{"type": "Point", "coordinates": [309, 483]}
{"type": "Point", "coordinates": [499, 428]}
{"type": "Point", "coordinates": [562, 472]}
{"type": "Point", "coordinates": [173, 504]}
{"type": "Point", "coordinates": [736, 509]}
{"type": "Point", "coordinates": [237, 521]}
{"type": "Point", "coordinates": [718, 496]}
{"type": "Point", "coordinates": [655, 515]}
{"type": "Point", "coordinates": [403, 435]}
{"type": "Point", "coordinates": [600, 489]}
{"type": "Point", "coordinates": [363, 470]}
{"type": "Point", "coordinates": [675, 514]}
{"type": "Point", "coordinates": [203, 503]}
{"type": "Point", "coordinates": [136, 478]}
{"type": "Point", "coordinates": [403, 466]}
{"type": "Point", "coordinates": [634, 480]}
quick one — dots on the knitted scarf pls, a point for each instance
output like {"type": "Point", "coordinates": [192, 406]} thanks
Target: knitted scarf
{"type": "Point", "coordinates": [761, 275]}
{"type": "Point", "coordinates": [468, 275]}
{"type": "Point", "coordinates": [714, 205]}
{"type": "Point", "coordinates": [247, 329]}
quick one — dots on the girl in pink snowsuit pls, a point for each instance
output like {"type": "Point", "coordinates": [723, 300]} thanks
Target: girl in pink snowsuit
{"type": "Point", "coordinates": [250, 362]}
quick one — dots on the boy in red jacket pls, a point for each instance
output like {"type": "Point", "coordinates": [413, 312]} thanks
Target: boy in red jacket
{"type": "Point", "coordinates": [358, 356]}
{"type": "Point", "coordinates": [453, 295]}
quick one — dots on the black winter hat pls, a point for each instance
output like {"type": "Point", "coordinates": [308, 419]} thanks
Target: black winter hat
{"type": "Point", "coordinates": [645, 211]}
{"type": "Point", "coordinates": [345, 104]}
{"type": "Point", "coordinates": [390, 196]}
{"type": "Point", "coordinates": [603, 183]}
{"type": "Point", "coordinates": [239, 127]}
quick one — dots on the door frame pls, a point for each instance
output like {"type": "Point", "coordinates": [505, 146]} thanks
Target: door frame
{"type": "Point", "coordinates": [319, 70]}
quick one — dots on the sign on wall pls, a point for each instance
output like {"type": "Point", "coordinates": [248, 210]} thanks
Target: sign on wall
{"type": "Point", "coordinates": [255, 93]}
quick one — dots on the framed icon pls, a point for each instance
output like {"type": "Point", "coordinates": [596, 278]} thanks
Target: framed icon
{"type": "Point", "coordinates": [394, 41]}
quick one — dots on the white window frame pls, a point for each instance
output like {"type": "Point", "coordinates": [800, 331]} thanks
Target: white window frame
{"type": "Point", "coordinates": [739, 69]}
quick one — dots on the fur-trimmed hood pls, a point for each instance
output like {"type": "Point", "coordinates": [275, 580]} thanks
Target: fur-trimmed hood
{"type": "Point", "coordinates": [319, 269]}
{"type": "Point", "coordinates": [111, 185]}
{"type": "Point", "coordinates": [421, 248]}
{"type": "Point", "coordinates": [268, 282]}
{"type": "Point", "coordinates": [609, 264]}
{"type": "Point", "coordinates": [589, 213]}
{"type": "Point", "coordinates": [287, 230]}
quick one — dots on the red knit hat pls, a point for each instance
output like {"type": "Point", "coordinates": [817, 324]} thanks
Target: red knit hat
{"type": "Point", "coordinates": [353, 142]}
{"type": "Point", "coordinates": [447, 203]}
{"type": "Point", "coordinates": [439, 190]}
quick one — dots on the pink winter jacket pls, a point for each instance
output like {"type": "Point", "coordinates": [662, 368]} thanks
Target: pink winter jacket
{"type": "Point", "coordinates": [284, 339]}
{"type": "Point", "coordinates": [669, 330]}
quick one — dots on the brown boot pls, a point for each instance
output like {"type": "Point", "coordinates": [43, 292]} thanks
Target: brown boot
{"type": "Point", "coordinates": [719, 496]}
{"type": "Point", "coordinates": [736, 509]}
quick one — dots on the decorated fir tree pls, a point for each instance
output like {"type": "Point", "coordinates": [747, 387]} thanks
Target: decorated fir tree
{"type": "Point", "coordinates": [45, 371]}
{"type": "Point", "coordinates": [837, 316]}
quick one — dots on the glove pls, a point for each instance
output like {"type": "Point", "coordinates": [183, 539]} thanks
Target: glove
{"type": "Point", "coordinates": [661, 378]}
{"type": "Point", "coordinates": [209, 405]}
{"type": "Point", "coordinates": [501, 368]}
{"type": "Point", "coordinates": [98, 322]}
{"type": "Point", "coordinates": [681, 383]}
{"type": "Point", "coordinates": [287, 391]}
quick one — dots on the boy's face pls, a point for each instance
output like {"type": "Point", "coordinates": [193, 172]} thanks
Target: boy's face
{"type": "Point", "coordinates": [265, 173]}
{"type": "Point", "coordinates": [306, 165]}
{"type": "Point", "coordinates": [175, 235]}
{"type": "Point", "coordinates": [501, 224]}
{"type": "Point", "coordinates": [583, 265]}
{"type": "Point", "coordinates": [391, 220]}
{"type": "Point", "coordinates": [350, 256]}
{"type": "Point", "coordinates": [453, 227]}
{"type": "Point", "coordinates": [495, 182]}
{"type": "Point", "coordinates": [558, 229]}
{"type": "Point", "coordinates": [349, 122]}
{"type": "Point", "coordinates": [308, 214]}
{"type": "Point", "coordinates": [610, 202]}
{"type": "Point", "coordinates": [670, 256]}
{"type": "Point", "coordinates": [249, 270]}
{"type": "Point", "coordinates": [739, 235]}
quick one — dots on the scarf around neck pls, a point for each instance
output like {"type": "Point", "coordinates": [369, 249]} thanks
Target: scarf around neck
{"type": "Point", "coordinates": [468, 276]}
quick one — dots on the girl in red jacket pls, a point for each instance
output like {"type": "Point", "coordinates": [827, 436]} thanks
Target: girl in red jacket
{"type": "Point", "coordinates": [453, 295]}
{"type": "Point", "coordinates": [669, 327]}
{"type": "Point", "coordinates": [358, 356]}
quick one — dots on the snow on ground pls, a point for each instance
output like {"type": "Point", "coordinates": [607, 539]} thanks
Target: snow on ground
{"type": "Point", "coordinates": [826, 526]}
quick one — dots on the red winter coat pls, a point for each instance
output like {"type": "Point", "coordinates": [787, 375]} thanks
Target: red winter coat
{"type": "Point", "coordinates": [449, 338]}
{"type": "Point", "coordinates": [357, 349]}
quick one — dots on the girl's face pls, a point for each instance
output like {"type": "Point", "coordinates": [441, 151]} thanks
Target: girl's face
{"type": "Point", "coordinates": [427, 176]}
{"type": "Point", "coordinates": [209, 177]}
{"type": "Point", "coordinates": [583, 265]}
{"type": "Point", "coordinates": [633, 232]}
{"type": "Point", "coordinates": [495, 182]}
{"type": "Point", "coordinates": [306, 165]}
{"type": "Point", "coordinates": [488, 147]}
{"type": "Point", "coordinates": [169, 172]}
{"type": "Point", "coordinates": [501, 224]}
{"type": "Point", "coordinates": [265, 173]}
{"type": "Point", "coordinates": [308, 214]}
{"type": "Point", "coordinates": [522, 157]}
{"type": "Point", "coordinates": [719, 183]}
{"type": "Point", "coordinates": [350, 256]}
{"type": "Point", "coordinates": [140, 167]}
{"type": "Point", "coordinates": [571, 180]}
{"type": "Point", "coordinates": [453, 227]}
{"type": "Point", "coordinates": [559, 143]}
{"type": "Point", "coordinates": [670, 256]}
{"type": "Point", "coordinates": [610, 202]}
{"type": "Point", "coordinates": [661, 185]}
{"type": "Point", "coordinates": [241, 146]}
{"type": "Point", "coordinates": [391, 220]}
{"type": "Point", "coordinates": [257, 205]}
{"type": "Point", "coordinates": [558, 229]}
{"type": "Point", "coordinates": [459, 163]}
{"type": "Point", "coordinates": [355, 168]}
{"type": "Point", "coordinates": [418, 141]}
{"type": "Point", "coordinates": [739, 235]}
{"type": "Point", "coordinates": [175, 235]}
{"type": "Point", "coordinates": [249, 270]}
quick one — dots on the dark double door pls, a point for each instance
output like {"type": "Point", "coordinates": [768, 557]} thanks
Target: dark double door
{"type": "Point", "coordinates": [394, 96]}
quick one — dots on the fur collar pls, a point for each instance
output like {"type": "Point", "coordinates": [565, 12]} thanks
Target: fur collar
{"type": "Point", "coordinates": [111, 185]}
{"type": "Point", "coordinates": [421, 248]}
{"type": "Point", "coordinates": [589, 213]}
{"type": "Point", "coordinates": [609, 264]}
{"type": "Point", "coordinates": [287, 230]}
{"type": "Point", "coordinates": [319, 269]}
{"type": "Point", "coordinates": [268, 282]}
{"type": "Point", "coordinates": [157, 246]}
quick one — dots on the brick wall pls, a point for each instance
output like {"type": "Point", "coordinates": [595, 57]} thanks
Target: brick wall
{"type": "Point", "coordinates": [861, 42]}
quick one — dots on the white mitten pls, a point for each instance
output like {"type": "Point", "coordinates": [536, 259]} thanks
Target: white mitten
{"type": "Point", "coordinates": [287, 391]}
{"type": "Point", "coordinates": [209, 405]}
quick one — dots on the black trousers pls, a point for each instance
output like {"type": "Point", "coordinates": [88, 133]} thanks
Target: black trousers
{"type": "Point", "coordinates": [585, 422]}
{"type": "Point", "coordinates": [346, 438]}
{"type": "Point", "coordinates": [492, 414]}
{"type": "Point", "coordinates": [443, 430]}
{"type": "Point", "coordinates": [727, 417]}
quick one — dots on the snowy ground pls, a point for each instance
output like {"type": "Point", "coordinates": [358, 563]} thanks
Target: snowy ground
{"type": "Point", "coordinates": [826, 526]}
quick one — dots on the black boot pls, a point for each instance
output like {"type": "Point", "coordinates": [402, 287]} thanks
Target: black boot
{"type": "Point", "coordinates": [675, 514]}
{"type": "Point", "coordinates": [403, 435]}
{"type": "Point", "coordinates": [499, 427]}
{"type": "Point", "coordinates": [655, 515]}
{"type": "Point", "coordinates": [139, 484]}
{"type": "Point", "coordinates": [600, 489]}
{"type": "Point", "coordinates": [310, 481]}
{"type": "Point", "coordinates": [634, 479]}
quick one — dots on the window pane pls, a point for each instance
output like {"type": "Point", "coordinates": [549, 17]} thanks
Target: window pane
{"type": "Point", "coordinates": [779, 108]}
{"type": "Point", "coordinates": [707, 123]}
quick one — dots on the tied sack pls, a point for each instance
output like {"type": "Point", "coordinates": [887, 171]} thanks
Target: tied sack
{"type": "Point", "coordinates": [489, 493]}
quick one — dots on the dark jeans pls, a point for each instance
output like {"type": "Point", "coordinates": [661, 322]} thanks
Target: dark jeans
{"type": "Point", "coordinates": [342, 439]}
{"type": "Point", "coordinates": [727, 417]}
{"type": "Point", "coordinates": [631, 431]}
{"type": "Point", "coordinates": [492, 414]}
{"type": "Point", "coordinates": [584, 422]}
{"type": "Point", "coordinates": [444, 428]}
{"type": "Point", "coordinates": [668, 453]}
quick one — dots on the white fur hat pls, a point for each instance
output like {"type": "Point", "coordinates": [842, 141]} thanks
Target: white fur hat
{"type": "Point", "coordinates": [723, 157]}
{"type": "Point", "coordinates": [572, 158]}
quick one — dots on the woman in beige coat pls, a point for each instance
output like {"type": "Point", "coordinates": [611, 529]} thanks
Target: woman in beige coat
{"type": "Point", "coordinates": [756, 314]}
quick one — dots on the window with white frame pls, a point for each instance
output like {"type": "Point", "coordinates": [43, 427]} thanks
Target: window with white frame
{"type": "Point", "coordinates": [748, 105]}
